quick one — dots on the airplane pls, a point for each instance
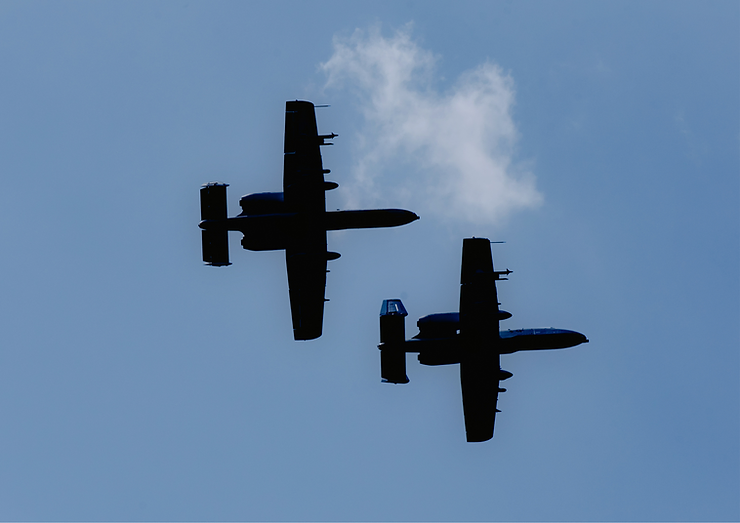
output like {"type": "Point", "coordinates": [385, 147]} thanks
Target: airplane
{"type": "Point", "coordinates": [470, 338]}
{"type": "Point", "coordinates": [295, 220]}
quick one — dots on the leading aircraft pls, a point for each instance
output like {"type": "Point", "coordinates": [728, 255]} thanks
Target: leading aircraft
{"type": "Point", "coordinates": [295, 220]}
{"type": "Point", "coordinates": [470, 338]}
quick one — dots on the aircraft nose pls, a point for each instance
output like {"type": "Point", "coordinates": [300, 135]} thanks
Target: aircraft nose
{"type": "Point", "coordinates": [409, 216]}
{"type": "Point", "coordinates": [400, 217]}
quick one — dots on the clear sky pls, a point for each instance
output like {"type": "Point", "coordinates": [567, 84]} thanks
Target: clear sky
{"type": "Point", "coordinates": [600, 140]}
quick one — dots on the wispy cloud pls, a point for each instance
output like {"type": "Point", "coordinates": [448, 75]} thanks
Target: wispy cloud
{"type": "Point", "coordinates": [457, 146]}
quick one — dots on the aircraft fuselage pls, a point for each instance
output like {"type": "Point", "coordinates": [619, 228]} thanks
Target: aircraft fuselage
{"type": "Point", "coordinates": [453, 348]}
{"type": "Point", "coordinates": [265, 229]}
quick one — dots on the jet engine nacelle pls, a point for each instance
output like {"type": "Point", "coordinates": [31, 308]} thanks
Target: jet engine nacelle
{"type": "Point", "coordinates": [440, 325]}
{"type": "Point", "coordinates": [445, 325]}
{"type": "Point", "coordinates": [262, 203]}
{"type": "Point", "coordinates": [271, 232]}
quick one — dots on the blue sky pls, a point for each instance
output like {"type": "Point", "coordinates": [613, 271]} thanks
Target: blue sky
{"type": "Point", "coordinates": [599, 140]}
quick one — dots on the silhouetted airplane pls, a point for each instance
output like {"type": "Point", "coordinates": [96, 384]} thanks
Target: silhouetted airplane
{"type": "Point", "coordinates": [470, 338]}
{"type": "Point", "coordinates": [295, 220]}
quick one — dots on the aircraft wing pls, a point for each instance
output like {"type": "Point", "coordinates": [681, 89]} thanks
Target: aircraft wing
{"type": "Point", "coordinates": [479, 378]}
{"type": "Point", "coordinates": [303, 175]}
{"type": "Point", "coordinates": [479, 323]}
{"type": "Point", "coordinates": [478, 297]}
{"type": "Point", "coordinates": [306, 264]}
{"type": "Point", "coordinates": [303, 193]}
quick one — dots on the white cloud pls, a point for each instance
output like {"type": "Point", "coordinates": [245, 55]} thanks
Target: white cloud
{"type": "Point", "coordinates": [458, 146]}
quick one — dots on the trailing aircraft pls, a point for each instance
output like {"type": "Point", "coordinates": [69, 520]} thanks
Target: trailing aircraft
{"type": "Point", "coordinates": [295, 220]}
{"type": "Point", "coordinates": [470, 338]}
